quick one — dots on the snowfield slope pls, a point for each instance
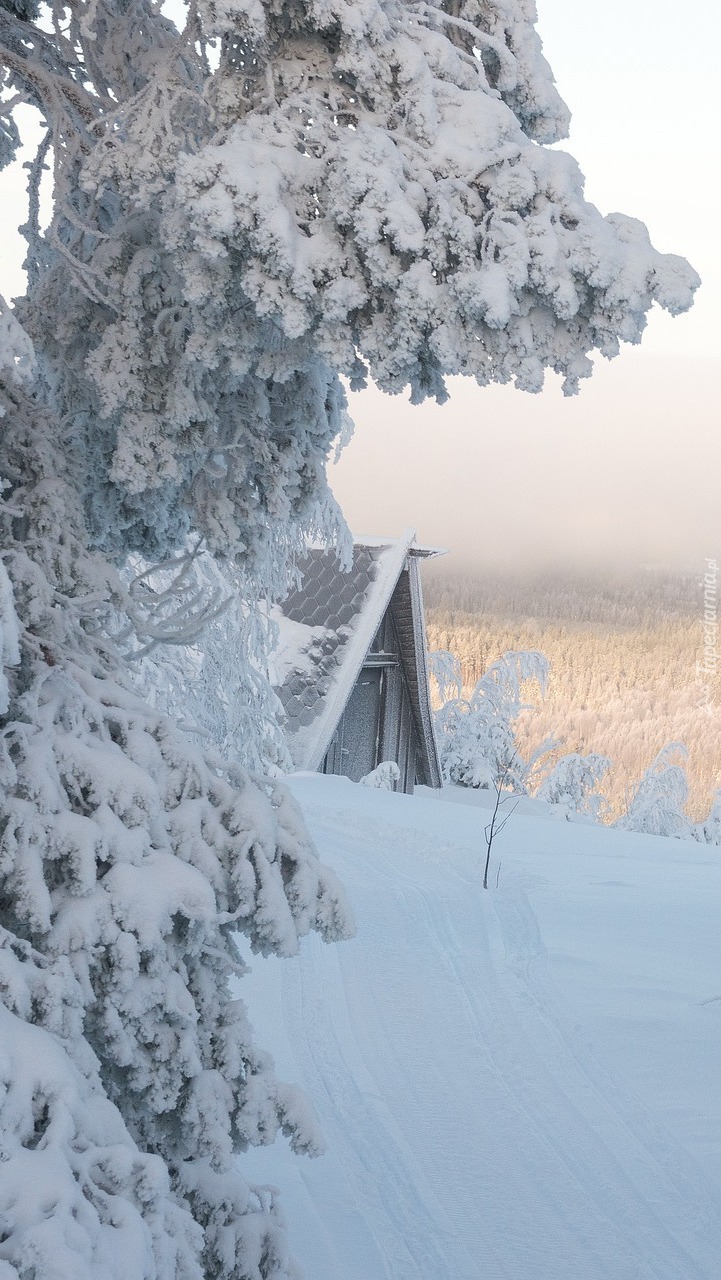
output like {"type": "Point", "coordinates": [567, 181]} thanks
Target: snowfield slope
{"type": "Point", "coordinates": [518, 1084]}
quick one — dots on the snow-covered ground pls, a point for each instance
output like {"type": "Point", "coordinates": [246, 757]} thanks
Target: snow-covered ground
{"type": "Point", "coordinates": [517, 1084]}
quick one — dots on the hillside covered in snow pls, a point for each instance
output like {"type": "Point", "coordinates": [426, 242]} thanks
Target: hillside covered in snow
{"type": "Point", "coordinates": [514, 1085]}
{"type": "Point", "coordinates": [626, 663]}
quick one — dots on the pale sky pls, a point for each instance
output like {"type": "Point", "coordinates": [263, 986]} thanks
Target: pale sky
{"type": "Point", "coordinates": [630, 470]}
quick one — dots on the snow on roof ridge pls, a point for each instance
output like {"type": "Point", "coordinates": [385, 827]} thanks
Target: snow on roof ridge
{"type": "Point", "coordinates": [408, 537]}
{"type": "Point", "coordinates": [376, 540]}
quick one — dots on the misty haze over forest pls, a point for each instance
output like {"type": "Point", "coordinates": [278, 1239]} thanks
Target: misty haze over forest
{"type": "Point", "coordinates": [623, 475]}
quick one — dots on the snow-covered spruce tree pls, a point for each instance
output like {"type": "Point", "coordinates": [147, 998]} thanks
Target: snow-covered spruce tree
{"type": "Point", "coordinates": [476, 742]}
{"type": "Point", "coordinates": [656, 805]}
{"type": "Point", "coordinates": [129, 1078]}
{"type": "Point", "coordinates": [337, 187]}
{"type": "Point", "coordinates": [572, 784]}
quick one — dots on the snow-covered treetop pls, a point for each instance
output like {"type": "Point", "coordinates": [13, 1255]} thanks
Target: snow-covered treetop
{"type": "Point", "coordinates": [282, 193]}
{"type": "Point", "coordinates": [572, 783]}
{"type": "Point", "coordinates": [475, 735]}
{"type": "Point", "coordinates": [656, 804]}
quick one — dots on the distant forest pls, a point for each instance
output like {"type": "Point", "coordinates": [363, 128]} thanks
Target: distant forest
{"type": "Point", "coordinates": [623, 653]}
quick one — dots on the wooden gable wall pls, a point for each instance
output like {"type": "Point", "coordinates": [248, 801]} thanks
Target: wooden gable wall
{"type": "Point", "coordinates": [380, 720]}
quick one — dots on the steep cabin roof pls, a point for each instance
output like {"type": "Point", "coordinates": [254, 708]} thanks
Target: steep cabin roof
{"type": "Point", "coordinates": [327, 626]}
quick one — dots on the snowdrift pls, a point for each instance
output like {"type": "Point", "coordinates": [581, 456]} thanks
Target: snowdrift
{"type": "Point", "coordinates": [519, 1084]}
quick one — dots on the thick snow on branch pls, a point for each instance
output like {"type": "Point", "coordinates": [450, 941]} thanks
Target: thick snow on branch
{"type": "Point", "coordinates": [77, 1196]}
{"type": "Point", "coordinates": [386, 195]}
{"type": "Point", "coordinates": [17, 358]}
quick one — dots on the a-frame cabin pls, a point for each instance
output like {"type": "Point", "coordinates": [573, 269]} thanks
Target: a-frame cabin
{"type": "Point", "coordinates": [351, 667]}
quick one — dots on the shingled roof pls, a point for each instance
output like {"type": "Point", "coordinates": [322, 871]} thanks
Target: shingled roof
{"type": "Point", "coordinates": [327, 626]}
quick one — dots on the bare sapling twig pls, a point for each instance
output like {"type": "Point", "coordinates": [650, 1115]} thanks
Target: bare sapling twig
{"type": "Point", "coordinates": [495, 827]}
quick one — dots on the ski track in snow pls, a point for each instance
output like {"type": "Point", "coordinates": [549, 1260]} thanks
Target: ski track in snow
{"type": "Point", "coordinates": [472, 1135]}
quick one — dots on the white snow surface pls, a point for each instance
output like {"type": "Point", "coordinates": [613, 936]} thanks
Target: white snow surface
{"type": "Point", "coordinates": [290, 654]}
{"type": "Point", "coordinates": [520, 1084]}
